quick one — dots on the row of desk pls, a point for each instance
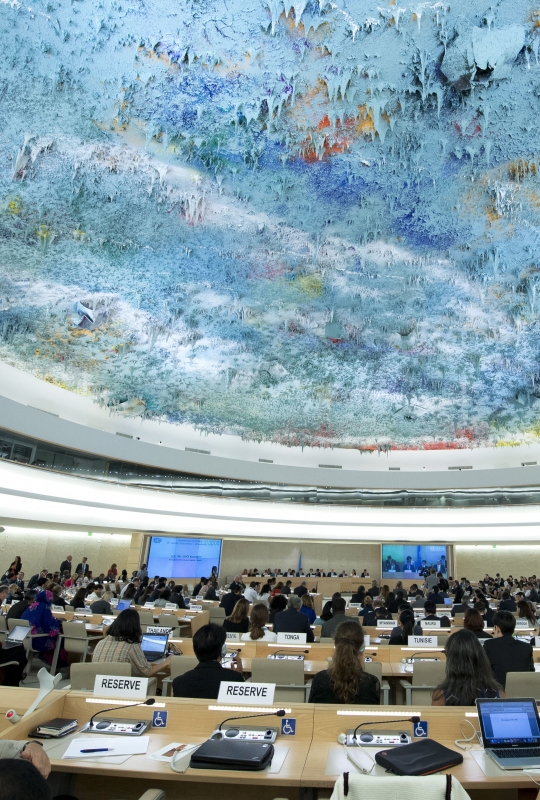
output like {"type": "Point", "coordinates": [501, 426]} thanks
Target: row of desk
{"type": "Point", "coordinates": [312, 763]}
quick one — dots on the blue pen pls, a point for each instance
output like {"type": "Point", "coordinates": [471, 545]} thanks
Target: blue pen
{"type": "Point", "coordinates": [97, 750]}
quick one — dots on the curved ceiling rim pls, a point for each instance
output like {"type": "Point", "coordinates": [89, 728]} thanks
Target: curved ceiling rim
{"type": "Point", "coordinates": [34, 403]}
{"type": "Point", "coordinates": [44, 425]}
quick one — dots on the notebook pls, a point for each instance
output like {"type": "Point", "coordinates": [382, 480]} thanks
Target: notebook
{"type": "Point", "coordinates": [17, 636]}
{"type": "Point", "coordinates": [154, 646]}
{"type": "Point", "coordinates": [511, 732]}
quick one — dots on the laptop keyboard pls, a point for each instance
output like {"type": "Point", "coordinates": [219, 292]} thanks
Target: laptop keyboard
{"type": "Point", "coordinates": [522, 752]}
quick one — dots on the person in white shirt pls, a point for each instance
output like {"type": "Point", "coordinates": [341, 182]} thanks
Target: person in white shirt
{"type": "Point", "coordinates": [257, 621]}
{"type": "Point", "coordinates": [252, 592]}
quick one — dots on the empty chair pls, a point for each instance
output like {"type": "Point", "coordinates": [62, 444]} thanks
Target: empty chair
{"type": "Point", "coordinates": [146, 617]}
{"type": "Point", "coordinates": [287, 675]}
{"type": "Point", "coordinates": [198, 621]}
{"type": "Point", "coordinates": [12, 623]}
{"type": "Point", "coordinates": [394, 786]}
{"type": "Point", "coordinates": [217, 614]}
{"type": "Point", "coordinates": [327, 640]}
{"type": "Point", "coordinates": [168, 621]}
{"type": "Point", "coordinates": [69, 608]}
{"type": "Point", "coordinates": [425, 677]}
{"type": "Point", "coordinates": [523, 684]}
{"type": "Point", "coordinates": [375, 668]}
{"type": "Point", "coordinates": [179, 666]}
{"type": "Point", "coordinates": [84, 674]}
{"type": "Point", "coordinates": [76, 639]}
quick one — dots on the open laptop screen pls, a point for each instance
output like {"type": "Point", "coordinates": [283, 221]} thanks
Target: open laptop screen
{"type": "Point", "coordinates": [513, 723]}
{"type": "Point", "coordinates": [448, 601]}
{"type": "Point", "coordinates": [19, 633]}
{"type": "Point", "coordinates": [123, 604]}
{"type": "Point", "coordinates": [154, 644]}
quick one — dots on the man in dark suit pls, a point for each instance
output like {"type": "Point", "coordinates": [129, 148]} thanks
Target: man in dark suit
{"type": "Point", "coordinates": [532, 593]}
{"type": "Point", "coordinates": [338, 616]}
{"type": "Point", "coordinates": [83, 567]}
{"type": "Point", "coordinates": [204, 681]}
{"type": "Point", "coordinates": [461, 608]}
{"type": "Point", "coordinates": [65, 566]}
{"type": "Point", "coordinates": [486, 612]}
{"type": "Point", "coordinates": [430, 609]}
{"type": "Point", "coordinates": [35, 578]}
{"type": "Point", "coordinates": [301, 590]}
{"type": "Point", "coordinates": [229, 600]}
{"type": "Point", "coordinates": [292, 620]}
{"type": "Point", "coordinates": [20, 581]}
{"type": "Point", "coordinates": [506, 654]}
{"type": "Point", "coordinates": [436, 596]}
{"type": "Point", "coordinates": [507, 603]}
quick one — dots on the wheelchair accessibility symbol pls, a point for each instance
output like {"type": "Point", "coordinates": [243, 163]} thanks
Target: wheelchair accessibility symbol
{"type": "Point", "coordinates": [288, 727]}
{"type": "Point", "coordinates": [159, 719]}
{"type": "Point", "coordinates": [420, 730]}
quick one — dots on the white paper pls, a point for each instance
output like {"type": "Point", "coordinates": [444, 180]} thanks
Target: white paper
{"type": "Point", "coordinates": [121, 746]}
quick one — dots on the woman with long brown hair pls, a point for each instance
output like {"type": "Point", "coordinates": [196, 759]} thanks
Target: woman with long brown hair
{"type": "Point", "coordinates": [258, 619]}
{"type": "Point", "coordinates": [238, 622]}
{"type": "Point", "coordinates": [526, 611]}
{"type": "Point", "coordinates": [345, 680]}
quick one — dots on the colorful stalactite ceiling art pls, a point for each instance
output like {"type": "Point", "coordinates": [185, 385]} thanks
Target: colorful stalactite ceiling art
{"type": "Point", "coordinates": [314, 223]}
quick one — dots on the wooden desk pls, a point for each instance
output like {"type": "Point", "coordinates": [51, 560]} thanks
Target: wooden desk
{"type": "Point", "coordinates": [20, 700]}
{"type": "Point", "coordinates": [444, 726]}
{"type": "Point", "coordinates": [188, 721]}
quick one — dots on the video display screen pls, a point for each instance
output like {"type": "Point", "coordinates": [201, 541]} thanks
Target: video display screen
{"type": "Point", "coordinates": [172, 557]}
{"type": "Point", "coordinates": [412, 561]}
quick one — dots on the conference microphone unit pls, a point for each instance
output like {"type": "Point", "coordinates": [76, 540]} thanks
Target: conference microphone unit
{"type": "Point", "coordinates": [227, 751]}
{"type": "Point", "coordinates": [121, 727]}
{"type": "Point", "coordinates": [294, 653]}
{"type": "Point", "coordinates": [378, 738]}
{"type": "Point", "coordinates": [279, 713]}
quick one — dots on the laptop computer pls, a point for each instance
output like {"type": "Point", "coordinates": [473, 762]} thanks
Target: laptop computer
{"type": "Point", "coordinates": [448, 601]}
{"type": "Point", "coordinates": [123, 604]}
{"type": "Point", "coordinates": [510, 732]}
{"type": "Point", "coordinates": [154, 645]}
{"type": "Point", "coordinates": [17, 636]}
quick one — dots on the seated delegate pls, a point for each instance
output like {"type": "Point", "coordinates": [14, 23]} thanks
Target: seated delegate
{"type": "Point", "coordinates": [257, 622]}
{"type": "Point", "coordinates": [123, 643]}
{"type": "Point", "coordinates": [505, 653]}
{"type": "Point", "coordinates": [238, 622]}
{"type": "Point", "coordinates": [345, 680]}
{"type": "Point", "coordinates": [468, 673]}
{"type": "Point", "coordinates": [209, 646]}
{"type": "Point", "coordinates": [292, 621]}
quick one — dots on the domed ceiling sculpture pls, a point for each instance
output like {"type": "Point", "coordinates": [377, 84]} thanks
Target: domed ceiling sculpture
{"type": "Point", "coordinates": [312, 222]}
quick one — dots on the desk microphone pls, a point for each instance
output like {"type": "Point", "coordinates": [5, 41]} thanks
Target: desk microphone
{"type": "Point", "coordinates": [410, 658]}
{"type": "Point", "coordinates": [290, 652]}
{"type": "Point", "coordinates": [280, 713]}
{"type": "Point", "coordinates": [414, 720]}
{"type": "Point", "coordinates": [149, 702]}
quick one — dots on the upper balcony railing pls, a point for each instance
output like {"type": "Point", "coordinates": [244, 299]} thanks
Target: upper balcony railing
{"type": "Point", "coordinates": [42, 455]}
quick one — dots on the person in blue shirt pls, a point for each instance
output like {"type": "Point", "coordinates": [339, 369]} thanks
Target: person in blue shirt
{"type": "Point", "coordinates": [307, 608]}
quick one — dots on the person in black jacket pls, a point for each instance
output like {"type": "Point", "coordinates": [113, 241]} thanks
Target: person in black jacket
{"type": "Point", "coordinates": [229, 600]}
{"type": "Point", "coordinates": [301, 590]}
{"type": "Point", "coordinates": [486, 612]}
{"type": "Point", "coordinates": [460, 608]}
{"type": "Point", "coordinates": [65, 566]}
{"type": "Point", "coordinates": [505, 653]}
{"type": "Point", "coordinates": [292, 620]}
{"type": "Point", "coordinates": [345, 680]}
{"type": "Point", "coordinates": [177, 597]}
{"type": "Point", "coordinates": [211, 593]}
{"type": "Point", "coordinates": [204, 681]}
{"type": "Point", "coordinates": [16, 611]}
{"type": "Point", "coordinates": [358, 597]}
{"type": "Point", "coordinates": [430, 610]}
{"type": "Point", "coordinates": [238, 622]}
{"type": "Point", "coordinates": [507, 603]}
